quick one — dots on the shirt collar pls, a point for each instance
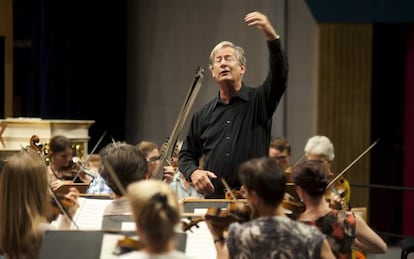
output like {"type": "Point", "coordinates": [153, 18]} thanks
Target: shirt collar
{"type": "Point", "coordinates": [242, 95]}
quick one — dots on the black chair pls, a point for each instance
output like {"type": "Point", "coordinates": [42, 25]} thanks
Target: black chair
{"type": "Point", "coordinates": [407, 246]}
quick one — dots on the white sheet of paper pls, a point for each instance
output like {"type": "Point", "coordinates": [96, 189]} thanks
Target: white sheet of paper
{"type": "Point", "coordinates": [128, 226]}
{"type": "Point", "coordinates": [109, 242]}
{"type": "Point", "coordinates": [200, 242]}
{"type": "Point", "coordinates": [89, 215]}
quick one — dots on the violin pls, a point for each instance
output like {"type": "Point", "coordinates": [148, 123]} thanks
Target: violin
{"type": "Point", "coordinates": [292, 206]}
{"type": "Point", "coordinates": [126, 245]}
{"type": "Point", "coordinates": [56, 207]}
{"type": "Point", "coordinates": [235, 212]}
{"type": "Point", "coordinates": [340, 189]}
{"type": "Point", "coordinates": [238, 194]}
{"type": "Point", "coordinates": [75, 172]}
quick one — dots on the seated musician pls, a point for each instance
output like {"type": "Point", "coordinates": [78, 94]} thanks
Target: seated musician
{"type": "Point", "coordinates": [98, 184]}
{"type": "Point", "coordinates": [61, 166]}
{"type": "Point", "coordinates": [321, 148]}
{"type": "Point", "coordinates": [272, 234]}
{"type": "Point", "coordinates": [25, 205]}
{"type": "Point", "coordinates": [152, 154]}
{"type": "Point", "coordinates": [128, 165]}
{"type": "Point", "coordinates": [182, 188]}
{"type": "Point", "coordinates": [156, 214]}
{"type": "Point", "coordinates": [280, 150]}
{"type": "Point", "coordinates": [344, 229]}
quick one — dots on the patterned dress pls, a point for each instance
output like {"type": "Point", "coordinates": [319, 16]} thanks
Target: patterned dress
{"type": "Point", "coordinates": [339, 227]}
{"type": "Point", "coordinates": [274, 237]}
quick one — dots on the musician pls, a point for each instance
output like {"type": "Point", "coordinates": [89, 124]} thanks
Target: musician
{"type": "Point", "coordinates": [271, 234]}
{"type": "Point", "coordinates": [25, 204]}
{"type": "Point", "coordinates": [127, 165]}
{"type": "Point", "coordinates": [61, 166]}
{"type": "Point", "coordinates": [321, 148]}
{"type": "Point", "coordinates": [280, 150]}
{"type": "Point", "coordinates": [156, 214]}
{"type": "Point", "coordinates": [344, 229]}
{"type": "Point", "coordinates": [182, 188]}
{"type": "Point", "coordinates": [235, 125]}
{"type": "Point", "coordinates": [98, 184]}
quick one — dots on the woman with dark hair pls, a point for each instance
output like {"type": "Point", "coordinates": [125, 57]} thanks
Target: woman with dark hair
{"type": "Point", "coordinates": [344, 229]}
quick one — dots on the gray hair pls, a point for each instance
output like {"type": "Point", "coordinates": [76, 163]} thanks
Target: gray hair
{"type": "Point", "coordinates": [320, 145]}
{"type": "Point", "coordinates": [239, 52]}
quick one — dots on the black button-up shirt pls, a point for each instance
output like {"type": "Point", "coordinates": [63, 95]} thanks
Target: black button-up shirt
{"type": "Point", "coordinates": [225, 135]}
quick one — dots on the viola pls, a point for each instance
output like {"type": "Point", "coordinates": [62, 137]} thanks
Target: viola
{"type": "Point", "coordinates": [126, 245]}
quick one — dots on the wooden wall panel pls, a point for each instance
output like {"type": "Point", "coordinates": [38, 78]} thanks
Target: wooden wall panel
{"type": "Point", "coordinates": [6, 30]}
{"type": "Point", "coordinates": [344, 99]}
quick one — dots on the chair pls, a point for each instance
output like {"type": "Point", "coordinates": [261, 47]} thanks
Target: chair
{"type": "Point", "coordinates": [407, 246]}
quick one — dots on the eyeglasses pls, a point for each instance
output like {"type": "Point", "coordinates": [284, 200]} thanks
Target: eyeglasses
{"type": "Point", "coordinates": [153, 159]}
{"type": "Point", "coordinates": [280, 157]}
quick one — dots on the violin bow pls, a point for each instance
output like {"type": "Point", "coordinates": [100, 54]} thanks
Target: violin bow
{"type": "Point", "coordinates": [228, 188]}
{"type": "Point", "coordinates": [60, 206]}
{"type": "Point", "coordinates": [169, 148]}
{"type": "Point", "coordinates": [89, 157]}
{"type": "Point", "coordinates": [300, 159]}
{"type": "Point", "coordinates": [351, 164]}
{"type": "Point", "coordinates": [114, 177]}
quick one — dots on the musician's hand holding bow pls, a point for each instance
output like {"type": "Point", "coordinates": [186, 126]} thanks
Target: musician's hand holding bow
{"type": "Point", "coordinates": [70, 204]}
{"type": "Point", "coordinates": [201, 181]}
{"type": "Point", "coordinates": [169, 173]}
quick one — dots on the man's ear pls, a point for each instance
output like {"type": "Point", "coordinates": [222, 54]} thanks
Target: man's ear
{"type": "Point", "coordinates": [242, 69]}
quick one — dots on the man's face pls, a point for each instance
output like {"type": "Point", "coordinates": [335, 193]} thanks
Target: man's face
{"type": "Point", "coordinates": [226, 66]}
{"type": "Point", "coordinates": [153, 159]}
{"type": "Point", "coordinates": [281, 157]}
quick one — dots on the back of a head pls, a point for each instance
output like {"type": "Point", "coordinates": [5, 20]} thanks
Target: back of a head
{"type": "Point", "coordinates": [264, 176]}
{"type": "Point", "coordinates": [156, 210]}
{"type": "Point", "coordinates": [320, 145]}
{"type": "Point", "coordinates": [23, 202]}
{"type": "Point", "coordinates": [127, 162]}
{"type": "Point", "coordinates": [311, 176]}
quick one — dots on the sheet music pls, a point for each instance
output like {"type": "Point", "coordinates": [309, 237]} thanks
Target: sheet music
{"type": "Point", "coordinates": [200, 242]}
{"type": "Point", "coordinates": [90, 213]}
{"type": "Point", "coordinates": [109, 242]}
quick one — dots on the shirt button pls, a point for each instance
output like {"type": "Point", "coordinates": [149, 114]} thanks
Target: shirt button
{"type": "Point", "coordinates": [227, 154]}
{"type": "Point", "coordinates": [227, 138]}
{"type": "Point", "coordinates": [228, 122]}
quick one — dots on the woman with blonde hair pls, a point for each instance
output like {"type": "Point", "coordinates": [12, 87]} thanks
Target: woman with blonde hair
{"type": "Point", "coordinates": [25, 204]}
{"type": "Point", "coordinates": [156, 213]}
